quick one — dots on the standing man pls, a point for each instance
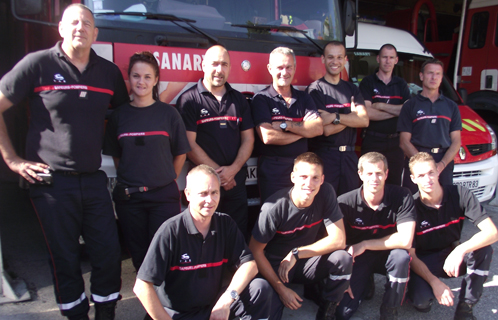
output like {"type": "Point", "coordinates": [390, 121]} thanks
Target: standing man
{"type": "Point", "coordinates": [384, 95]}
{"type": "Point", "coordinates": [70, 89]}
{"type": "Point", "coordinates": [194, 254]}
{"type": "Point", "coordinates": [430, 122]}
{"type": "Point", "coordinates": [220, 131]}
{"type": "Point", "coordinates": [438, 251]}
{"type": "Point", "coordinates": [341, 107]}
{"type": "Point", "coordinates": [380, 220]}
{"type": "Point", "coordinates": [284, 118]}
{"type": "Point", "coordinates": [284, 240]}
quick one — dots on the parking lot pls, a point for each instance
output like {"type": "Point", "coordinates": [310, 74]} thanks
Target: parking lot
{"type": "Point", "coordinates": [25, 258]}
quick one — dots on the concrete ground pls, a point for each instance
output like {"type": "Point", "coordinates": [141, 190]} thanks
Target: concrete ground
{"type": "Point", "coordinates": [25, 258]}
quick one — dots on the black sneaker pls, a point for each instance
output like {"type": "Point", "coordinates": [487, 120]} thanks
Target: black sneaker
{"type": "Point", "coordinates": [423, 309]}
{"type": "Point", "coordinates": [388, 313]}
{"type": "Point", "coordinates": [105, 311]}
{"type": "Point", "coordinates": [464, 311]}
{"type": "Point", "coordinates": [370, 288]}
{"type": "Point", "coordinates": [326, 311]}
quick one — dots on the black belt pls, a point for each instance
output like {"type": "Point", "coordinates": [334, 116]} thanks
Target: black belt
{"type": "Point", "coordinates": [131, 190]}
{"type": "Point", "coordinates": [382, 135]}
{"type": "Point", "coordinates": [341, 148]}
{"type": "Point", "coordinates": [432, 150]}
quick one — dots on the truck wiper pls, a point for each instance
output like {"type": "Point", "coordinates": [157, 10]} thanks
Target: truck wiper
{"type": "Point", "coordinates": [283, 29]}
{"type": "Point", "coordinates": [164, 17]}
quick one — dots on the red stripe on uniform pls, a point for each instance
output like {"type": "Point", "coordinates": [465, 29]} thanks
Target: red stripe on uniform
{"type": "Point", "coordinates": [432, 117]}
{"type": "Point", "coordinates": [73, 87]}
{"type": "Point", "coordinates": [143, 134]}
{"type": "Point", "coordinates": [377, 226]}
{"type": "Point", "coordinates": [228, 118]}
{"type": "Point", "coordinates": [199, 266]}
{"type": "Point", "coordinates": [440, 226]}
{"type": "Point", "coordinates": [284, 118]}
{"type": "Point", "coordinates": [300, 228]}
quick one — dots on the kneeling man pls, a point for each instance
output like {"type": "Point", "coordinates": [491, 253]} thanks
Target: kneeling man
{"type": "Point", "coordinates": [194, 254]}
{"type": "Point", "coordinates": [380, 221]}
{"type": "Point", "coordinates": [438, 252]}
{"type": "Point", "coordinates": [284, 240]}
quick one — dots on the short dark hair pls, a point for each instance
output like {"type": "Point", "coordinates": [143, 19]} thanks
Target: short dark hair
{"type": "Point", "coordinates": [309, 157]}
{"type": "Point", "coordinates": [418, 158]}
{"type": "Point", "coordinates": [431, 61]}
{"type": "Point", "coordinates": [334, 43]}
{"type": "Point", "coordinates": [146, 57]}
{"type": "Point", "coordinates": [388, 46]}
{"type": "Point", "coordinates": [372, 157]}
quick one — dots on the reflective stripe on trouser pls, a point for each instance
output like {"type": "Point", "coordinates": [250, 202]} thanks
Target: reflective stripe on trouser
{"type": "Point", "coordinates": [74, 205]}
{"type": "Point", "coordinates": [254, 304]}
{"type": "Point", "coordinates": [475, 266]}
{"type": "Point", "coordinates": [394, 263]}
{"type": "Point", "coordinates": [334, 268]}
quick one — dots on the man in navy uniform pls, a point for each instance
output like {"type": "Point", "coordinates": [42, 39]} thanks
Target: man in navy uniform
{"type": "Point", "coordinates": [70, 89]}
{"type": "Point", "coordinates": [284, 240]}
{"type": "Point", "coordinates": [430, 122]}
{"type": "Point", "coordinates": [437, 250]}
{"type": "Point", "coordinates": [220, 131]}
{"type": "Point", "coordinates": [195, 254]}
{"type": "Point", "coordinates": [384, 95]}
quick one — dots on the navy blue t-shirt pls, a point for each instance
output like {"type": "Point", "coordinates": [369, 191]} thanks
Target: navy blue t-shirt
{"type": "Point", "coordinates": [67, 107]}
{"type": "Point", "coordinates": [335, 98]}
{"type": "Point", "coordinates": [145, 140]}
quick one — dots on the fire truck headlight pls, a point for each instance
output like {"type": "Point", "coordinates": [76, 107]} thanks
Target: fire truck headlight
{"type": "Point", "coordinates": [462, 153]}
{"type": "Point", "coordinates": [493, 137]}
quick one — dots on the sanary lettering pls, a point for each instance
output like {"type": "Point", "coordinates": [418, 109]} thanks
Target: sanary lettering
{"type": "Point", "coordinates": [179, 61]}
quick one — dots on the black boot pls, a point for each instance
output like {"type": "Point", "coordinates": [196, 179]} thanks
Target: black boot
{"type": "Point", "coordinates": [326, 311]}
{"type": "Point", "coordinates": [370, 288]}
{"type": "Point", "coordinates": [464, 311]}
{"type": "Point", "coordinates": [388, 313]}
{"type": "Point", "coordinates": [313, 292]}
{"type": "Point", "coordinates": [105, 311]}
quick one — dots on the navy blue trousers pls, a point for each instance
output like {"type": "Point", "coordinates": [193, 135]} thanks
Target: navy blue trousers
{"type": "Point", "coordinates": [234, 201]}
{"type": "Point", "coordinates": [141, 216]}
{"type": "Point", "coordinates": [395, 264]}
{"type": "Point", "coordinates": [474, 268]}
{"type": "Point", "coordinates": [273, 175]}
{"type": "Point", "coordinates": [77, 205]}
{"type": "Point", "coordinates": [340, 169]}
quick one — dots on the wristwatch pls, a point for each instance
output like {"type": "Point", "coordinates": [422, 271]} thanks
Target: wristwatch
{"type": "Point", "coordinates": [295, 253]}
{"type": "Point", "coordinates": [283, 126]}
{"type": "Point", "coordinates": [337, 119]}
{"type": "Point", "coordinates": [234, 295]}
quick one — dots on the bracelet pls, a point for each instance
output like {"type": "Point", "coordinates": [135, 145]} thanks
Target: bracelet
{"type": "Point", "coordinates": [444, 164]}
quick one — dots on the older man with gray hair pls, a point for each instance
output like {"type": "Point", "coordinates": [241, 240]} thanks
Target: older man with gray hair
{"type": "Point", "coordinates": [284, 118]}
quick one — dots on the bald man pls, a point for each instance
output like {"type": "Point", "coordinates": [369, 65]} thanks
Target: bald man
{"type": "Point", "coordinates": [70, 89]}
{"type": "Point", "coordinates": [220, 131]}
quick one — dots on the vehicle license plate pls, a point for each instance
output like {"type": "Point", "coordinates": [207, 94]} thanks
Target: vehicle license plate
{"type": "Point", "coordinates": [471, 184]}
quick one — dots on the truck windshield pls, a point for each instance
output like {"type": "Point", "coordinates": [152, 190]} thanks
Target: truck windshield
{"type": "Point", "coordinates": [363, 63]}
{"type": "Point", "coordinates": [319, 18]}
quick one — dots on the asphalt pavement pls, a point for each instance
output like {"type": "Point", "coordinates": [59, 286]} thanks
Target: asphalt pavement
{"type": "Point", "coordinates": [25, 259]}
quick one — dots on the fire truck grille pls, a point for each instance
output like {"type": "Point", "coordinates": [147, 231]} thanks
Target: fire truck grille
{"type": "Point", "coordinates": [466, 174]}
{"type": "Point", "coordinates": [477, 149]}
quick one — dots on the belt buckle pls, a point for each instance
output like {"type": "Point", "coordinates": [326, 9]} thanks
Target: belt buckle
{"type": "Point", "coordinates": [435, 150]}
{"type": "Point", "coordinates": [143, 189]}
{"type": "Point", "coordinates": [127, 192]}
{"type": "Point", "coordinates": [342, 148]}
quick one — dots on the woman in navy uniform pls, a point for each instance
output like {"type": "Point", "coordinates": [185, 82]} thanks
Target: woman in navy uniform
{"type": "Point", "coordinates": [148, 143]}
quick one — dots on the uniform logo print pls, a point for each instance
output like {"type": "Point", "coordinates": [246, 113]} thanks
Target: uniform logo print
{"type": "Point", "coordinates": [420, 113]}
{"type": "Point", "coordinates": [359, 222]}
{"type": "Point", "coordinates": [275, 111]}
{"type": "Point", "coordinates": [204, 113]}
{"type": "Point", "coordinates": [185, 258]}
{"type": "Point", "coordinates": [58, 78]}
{"type": "Point", "coordinates": [376, 91]}
{"type": "Point", "coordinates": [424, 224]}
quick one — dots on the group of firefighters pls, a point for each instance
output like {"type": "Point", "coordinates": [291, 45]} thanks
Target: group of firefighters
{"type": "Point", "coordinates": [328, 219]}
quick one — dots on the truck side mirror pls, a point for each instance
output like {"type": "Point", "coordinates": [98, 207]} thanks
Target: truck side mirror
{"type": "Point", "coordinates": [349, 17]}
{"type": "Point", "coordinates": [463, 94]}
{"type": "Point", "coordinates": [27, 7]}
